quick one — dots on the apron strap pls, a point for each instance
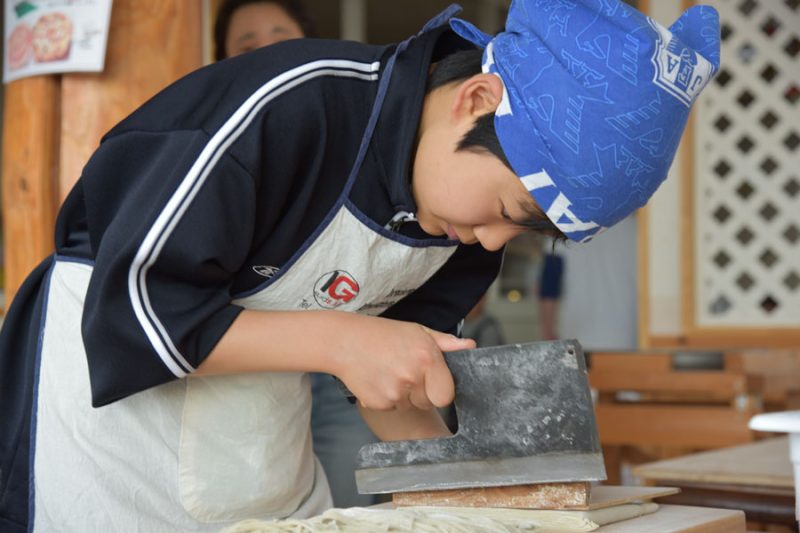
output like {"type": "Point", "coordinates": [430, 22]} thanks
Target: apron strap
{"type": "Point", "coordinates": [383, 87]}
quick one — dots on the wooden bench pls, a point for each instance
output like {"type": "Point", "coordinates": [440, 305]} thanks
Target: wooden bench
{"type": "Point", "coordinates": [779, 370]}
{"type": "Point", "coordinates": [659, 404]}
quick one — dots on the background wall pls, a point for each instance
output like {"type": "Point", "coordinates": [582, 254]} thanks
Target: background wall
{"type": "Point", "coordinates": [53, 123]}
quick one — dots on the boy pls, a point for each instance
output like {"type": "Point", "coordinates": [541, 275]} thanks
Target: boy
{"type": "Point", "coordinates": [310, 207]}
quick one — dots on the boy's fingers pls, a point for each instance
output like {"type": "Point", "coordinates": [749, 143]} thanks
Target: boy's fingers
{"type": "Point", "coordinates": [439, 386]}
{"type": "Point", "coordinates": [419, 398]}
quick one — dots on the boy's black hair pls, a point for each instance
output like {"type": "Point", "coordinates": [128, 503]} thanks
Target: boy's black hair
{"type": "Point", "coordinates": [293, 8]}
{"type": "Point", "coordinates": [482, 137]}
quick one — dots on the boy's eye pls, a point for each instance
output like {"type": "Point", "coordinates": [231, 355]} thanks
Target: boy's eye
{"type": "Point", "coordinates": [507, 217]}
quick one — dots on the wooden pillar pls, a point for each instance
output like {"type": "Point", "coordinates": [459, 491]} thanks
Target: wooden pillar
{"type": "Point", "coordinates": [52, 124]}
{"type": "Point", "coordinates": [30, 167]}
{"type": "Point", "coordinates": [151, 44]}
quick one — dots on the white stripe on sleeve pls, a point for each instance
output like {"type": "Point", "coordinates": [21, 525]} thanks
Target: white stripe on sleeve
{"type": "Point", "coordinates": [179, 202]}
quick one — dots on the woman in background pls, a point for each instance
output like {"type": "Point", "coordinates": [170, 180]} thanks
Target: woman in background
{"type": "Point", "coordinates": [244, 25]}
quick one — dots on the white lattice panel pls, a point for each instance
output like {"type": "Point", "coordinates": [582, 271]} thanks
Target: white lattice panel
{"type": "Point", "coordinates": [747, 171]}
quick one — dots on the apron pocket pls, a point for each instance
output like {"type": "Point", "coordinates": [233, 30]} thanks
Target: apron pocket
{"type": "Point", "coordinates": [245, 448]}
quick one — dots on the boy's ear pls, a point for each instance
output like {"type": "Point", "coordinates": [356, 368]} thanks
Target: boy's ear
{"type": "Point", "coordinates": [477, 96]}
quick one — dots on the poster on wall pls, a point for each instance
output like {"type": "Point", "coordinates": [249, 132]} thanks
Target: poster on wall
{"type": "Point", "coordinates": [53, 36]}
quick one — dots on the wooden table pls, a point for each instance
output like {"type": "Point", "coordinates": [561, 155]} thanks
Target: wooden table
{"type": "Point", "coordinates": [756, 478]}
{"type": "Point", "coordinates": [681, 519]}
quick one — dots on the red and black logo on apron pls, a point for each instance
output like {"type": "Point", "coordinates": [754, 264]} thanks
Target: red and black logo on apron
{"type": "Point", "coordinates": [335, 288]}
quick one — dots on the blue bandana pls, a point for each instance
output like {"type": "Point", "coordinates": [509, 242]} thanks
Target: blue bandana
{"type": "Point", "coordinates": [596, 97]}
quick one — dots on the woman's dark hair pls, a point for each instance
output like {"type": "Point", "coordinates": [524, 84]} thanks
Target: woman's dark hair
{"type": "Point", "coordinates": [293, 8]}
{"type": "Point", "coordinates": [482, 137]}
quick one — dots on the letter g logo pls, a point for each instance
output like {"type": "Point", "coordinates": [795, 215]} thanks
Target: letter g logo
{"type": "Point", "coordinates": [335, 288]}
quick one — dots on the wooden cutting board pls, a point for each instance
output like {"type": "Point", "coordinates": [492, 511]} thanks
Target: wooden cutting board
{"type": "Point", "coordinates": [557, 496]}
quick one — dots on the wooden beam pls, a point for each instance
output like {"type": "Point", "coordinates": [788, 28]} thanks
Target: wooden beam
{"type": "Point", "coordinates": [639, 362]}
{"type": "Point", "coordinates": [667, 341]}
{"type": "Point", "coordinates": [671, 425]}
{"type": "Point", "coordinates": [30, 170]}
{"type": "Point", "coordinates": [644, 333]}
{"type": "Point", "coordinates": [714, 383]}
{"type": "Point", "coordinates": [743, 337]}
{"type": "Point", "coordinates": [687, 229]}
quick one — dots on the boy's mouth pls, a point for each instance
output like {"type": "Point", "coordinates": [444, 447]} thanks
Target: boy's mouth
{"type": "Point", "coordinates": [451, 233]}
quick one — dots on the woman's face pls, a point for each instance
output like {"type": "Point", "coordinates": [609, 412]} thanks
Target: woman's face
{"type": "Point", "coordinates": [259, 24]}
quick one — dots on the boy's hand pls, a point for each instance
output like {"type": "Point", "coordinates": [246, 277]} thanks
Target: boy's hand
{"type": "Point", "coordinates": [389, 364]}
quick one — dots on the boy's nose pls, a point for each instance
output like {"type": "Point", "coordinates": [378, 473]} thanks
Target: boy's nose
{"type": "Point", "coordinates": [494, 237]}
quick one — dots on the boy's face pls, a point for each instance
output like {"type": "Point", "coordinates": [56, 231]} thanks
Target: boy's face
{"type": "Point", "coordinates": [467, 195]}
